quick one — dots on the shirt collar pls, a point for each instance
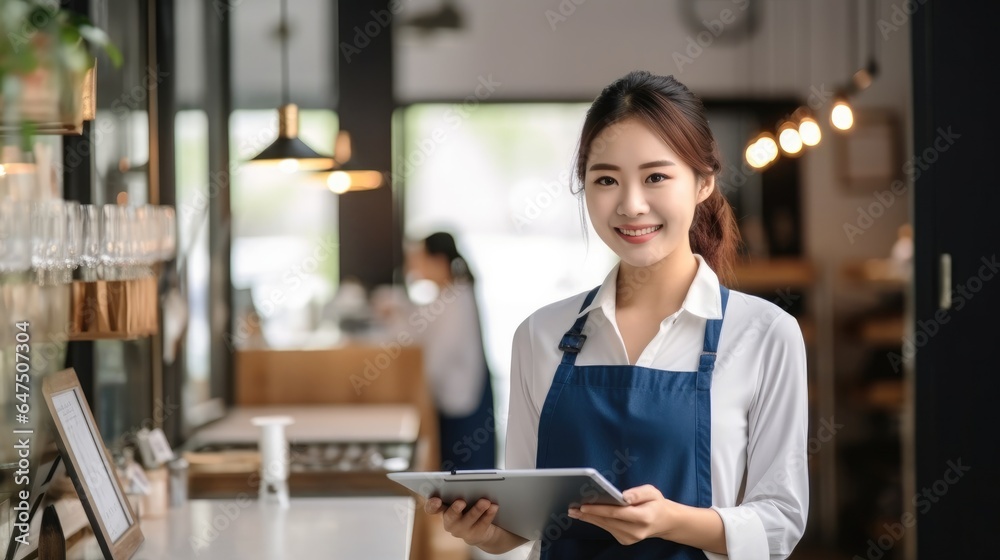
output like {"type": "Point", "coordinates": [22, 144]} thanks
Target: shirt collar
{"type": "Point", "coordinates": [703, 298]}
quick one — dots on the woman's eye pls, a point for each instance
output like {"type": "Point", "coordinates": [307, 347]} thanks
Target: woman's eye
{"type": "Point", "coordinates": [656, 178]}
{"type": "Point", "coordinates": [605, 181]}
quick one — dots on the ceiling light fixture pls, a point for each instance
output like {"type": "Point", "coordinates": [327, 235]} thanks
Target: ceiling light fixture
{"type": "Point", "coordinates": [348, 174]}
{"type": "Point", "coordinates": [287, 151]}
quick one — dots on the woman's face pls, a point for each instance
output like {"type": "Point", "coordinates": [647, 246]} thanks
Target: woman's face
{"type": "Point", "coordinates": [421, 265]}
{"type": "Point", "coordinates": [640, 195]}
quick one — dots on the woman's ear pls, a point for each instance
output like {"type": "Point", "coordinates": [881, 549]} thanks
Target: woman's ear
{"type": "Point", "coordinates": [705, 187]}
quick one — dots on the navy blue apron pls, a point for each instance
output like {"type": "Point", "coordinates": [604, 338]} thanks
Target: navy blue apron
{"type": "Point", "coordinates": [469, 442]}
{"type": "Point", "coordinates": [635, 425]}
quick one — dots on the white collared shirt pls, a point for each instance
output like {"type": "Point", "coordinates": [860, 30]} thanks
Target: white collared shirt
{"type": "Point", "coordinates": [759, 400]}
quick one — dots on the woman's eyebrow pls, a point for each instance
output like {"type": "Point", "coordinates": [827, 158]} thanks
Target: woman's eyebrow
{"type": "Point", "coordinates": [647, 165]}
{"type": "Point", "coordinates": [658, 163]}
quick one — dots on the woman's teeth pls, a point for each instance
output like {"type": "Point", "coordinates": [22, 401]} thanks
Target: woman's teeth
{"type": "Point", "coordinates": [638, 232]}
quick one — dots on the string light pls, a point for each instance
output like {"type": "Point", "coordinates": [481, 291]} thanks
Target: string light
{"type": "Point", "coordinates": [841, 116]}
{"type": "Point", "coordinates": [752, 158]}
{"type": "Point", "coordinates": [789, 139]}
{"type": "Point", "coordinates": [762, 151]}
{"type": "Point", "coordinates": [809, 131]}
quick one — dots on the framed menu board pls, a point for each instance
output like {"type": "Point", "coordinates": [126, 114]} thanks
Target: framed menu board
{"type": "Point", "coordinates": [89, 465]}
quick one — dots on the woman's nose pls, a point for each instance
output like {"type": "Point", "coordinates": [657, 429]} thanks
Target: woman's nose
{"type": "Point", "coordinates": [633, 201]}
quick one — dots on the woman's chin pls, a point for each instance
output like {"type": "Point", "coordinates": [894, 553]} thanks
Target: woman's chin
{"type": "Point", "coordinates": [645, 256]}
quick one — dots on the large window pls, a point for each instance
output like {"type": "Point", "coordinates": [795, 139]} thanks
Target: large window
{"type": "Point", "coordinates": [285, 252]}
{"type": "Point", "coordinates": [498, 177]}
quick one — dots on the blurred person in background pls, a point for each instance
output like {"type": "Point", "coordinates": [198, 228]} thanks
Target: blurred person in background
{"type": "Point", "coordinates": [449, 331]}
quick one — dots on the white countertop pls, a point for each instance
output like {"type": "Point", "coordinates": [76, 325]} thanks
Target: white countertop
{"type": "Point", "coordinates": [373, 528]}
{"type": "Point", "coordinates": [382, 423]}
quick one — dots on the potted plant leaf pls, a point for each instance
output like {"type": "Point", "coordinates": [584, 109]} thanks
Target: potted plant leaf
{"type": "Point", "coordinates": [44, 57]}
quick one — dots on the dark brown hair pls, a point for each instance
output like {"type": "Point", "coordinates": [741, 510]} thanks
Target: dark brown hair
{"type": "Point", "coordinates": [669, 109]}
{"type": "Point", "coordinates": [442, 244]}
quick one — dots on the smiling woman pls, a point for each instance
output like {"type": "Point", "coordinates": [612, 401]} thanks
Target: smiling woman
{"type": "Point", "coordinates": [630, 366]}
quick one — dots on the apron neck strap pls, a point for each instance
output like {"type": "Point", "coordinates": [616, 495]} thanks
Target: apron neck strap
{"type": "Point", "coordinates": [713, 331]}
{"type": "Point", "coordinates": [572, 341]}
{"type": "Point", "coordinates": [713, 327]}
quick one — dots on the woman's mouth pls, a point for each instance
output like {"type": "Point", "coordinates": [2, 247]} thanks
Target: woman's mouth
{"type": "Point", "coordinates": [638, 235]}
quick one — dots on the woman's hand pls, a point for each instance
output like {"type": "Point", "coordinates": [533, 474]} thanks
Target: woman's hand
{"type": "Point", "coordinates": [474, 526]}
{"type": "Point", "coordinates": [648, 515]}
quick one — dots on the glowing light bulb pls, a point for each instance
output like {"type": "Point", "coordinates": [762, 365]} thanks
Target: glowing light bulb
{"type": "Point", "coordinates": [809, 131]}
{"type": "Point", "coordinates": [339, 182]}
{"type": "Point", "coordinates": [789, 139]}
{"type": "Point", "coordinates": [768, 147]}
{"type": "Point", "coordinates": [3, 171]}
{"type": "Point", "coordinates": [841, 116]}
{"type": "Point", "coordinates": [753, 157]}
{"type": "Point", "coordinates": [289, 165]}
{"type": "Point", "coordinates": [762, 151]}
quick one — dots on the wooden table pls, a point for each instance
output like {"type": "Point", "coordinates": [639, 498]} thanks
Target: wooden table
{"type": "Point", "coordinates": [373, 528]}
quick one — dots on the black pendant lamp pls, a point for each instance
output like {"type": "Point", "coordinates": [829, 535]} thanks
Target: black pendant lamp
{"type": "Point", "coordinates": [288, 151]}
{"type": "Point", "coordinates": [348, 174]}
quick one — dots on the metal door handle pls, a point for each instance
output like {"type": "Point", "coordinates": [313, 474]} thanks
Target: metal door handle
{"type": "Point", "coordinates": [944, 270]}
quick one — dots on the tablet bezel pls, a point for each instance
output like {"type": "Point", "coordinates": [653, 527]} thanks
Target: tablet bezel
{"type": "Point", "coordinates": [529, 518]}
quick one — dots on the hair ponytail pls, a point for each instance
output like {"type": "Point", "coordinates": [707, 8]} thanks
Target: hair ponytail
{"type": "Point", "coordinates": [715, 236]}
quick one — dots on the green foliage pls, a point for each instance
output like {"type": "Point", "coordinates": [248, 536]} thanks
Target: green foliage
{"type": "Point", "coordinates": [36, 32]}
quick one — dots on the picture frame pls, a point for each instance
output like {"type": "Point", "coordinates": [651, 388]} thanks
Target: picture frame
{"type": "Point", "coordinates": [870, 154]}
{"type": "Point", "coordinates": [91, 467]}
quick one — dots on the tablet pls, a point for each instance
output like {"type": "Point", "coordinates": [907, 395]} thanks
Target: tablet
{"type": "Point", "coordinates": [532, 502]}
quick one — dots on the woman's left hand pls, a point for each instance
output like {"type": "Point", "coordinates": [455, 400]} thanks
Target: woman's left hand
{"type": "Point", "coordinates": [647, 515]}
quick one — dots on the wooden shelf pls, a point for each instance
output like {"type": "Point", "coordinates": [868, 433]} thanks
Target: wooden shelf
{"type": "Point", "coordinates": [883, 273]}
{"type": "Point", "coordinates": [773, 274]}
{"type": "Point", "coordinates": [884, 331]}
{"type": "Point", "coordinates": [887, 394]}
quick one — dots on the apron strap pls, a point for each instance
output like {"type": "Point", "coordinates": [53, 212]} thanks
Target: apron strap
{"type": "Point", "coordinates": [572, 341]}
{"type": "Point", "coordinates": [713, 331]}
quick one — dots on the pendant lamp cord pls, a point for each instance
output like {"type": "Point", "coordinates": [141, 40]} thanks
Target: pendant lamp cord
{"type": "Point", "coordinates": [285, 96]}
{"type": "Point", "coordinates": [853, 34]}
{"type": "Point", "coordinates": [872, 39]}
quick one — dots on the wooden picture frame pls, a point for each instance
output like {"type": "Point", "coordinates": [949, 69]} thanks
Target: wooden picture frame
{"type": "Point", "coordinates": [870, 154]}
{"type": "Point", "coordinates": [91, 467]}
